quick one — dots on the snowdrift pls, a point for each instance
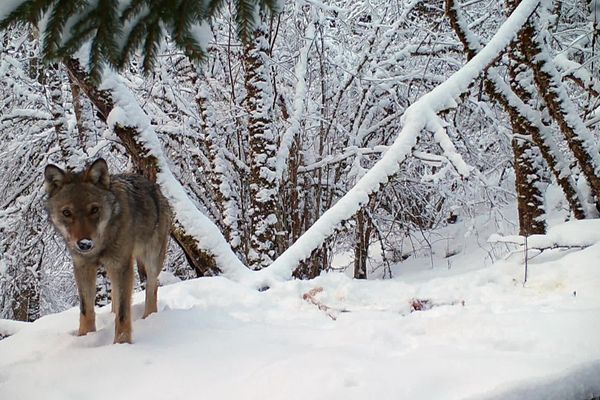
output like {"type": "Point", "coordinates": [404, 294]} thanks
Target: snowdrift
{"type": "Point", "coordinates": [469, 332]}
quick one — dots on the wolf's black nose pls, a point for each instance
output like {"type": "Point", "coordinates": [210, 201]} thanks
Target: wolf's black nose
{"type": "Point", "coordinates": [85, 244]}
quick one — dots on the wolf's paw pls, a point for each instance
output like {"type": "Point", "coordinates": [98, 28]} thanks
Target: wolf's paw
{"type": "Point", "coordinates": [85, 331]}
{"type": "Point", "coordinates": [123, 337]}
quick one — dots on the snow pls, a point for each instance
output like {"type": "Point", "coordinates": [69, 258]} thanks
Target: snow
{"type": "Point", "coordinates": [576, 383]}
{"type": "Point", "coordinates": [419, 116]}
{"type": "Point", "coordinates": [299, 97]}
{"type": "Point", "coordinates": [202, 34]}
{"type": "Point", "coordinates": [9, 6]}
{"type": "Point", "coordinates": [570, 234]}
{"type": "Point", "coordinates": [127, 112]}
{"type": "Point", "coordinates": [481, 336]}
{"type": "Point", "coordinates": [9, 327]}
{"type": "Point", "coordinates": [570, 67]}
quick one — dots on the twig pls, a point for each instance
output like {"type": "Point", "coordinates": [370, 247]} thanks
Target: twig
{"type": "Point", "coordinates": [310, 297]}
{"type": "Point", "coordinates": [526, 261]}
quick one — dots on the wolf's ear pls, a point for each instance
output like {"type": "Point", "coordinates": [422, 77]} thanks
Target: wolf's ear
{"type": "Point", "coordinates": [54, 179]}
{"type": "Point", "coordinates": [97, 173]}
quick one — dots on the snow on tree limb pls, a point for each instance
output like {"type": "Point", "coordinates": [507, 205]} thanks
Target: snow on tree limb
{"type": "Point", "coordinates": [418, 116]}
{"type": "Point", "coordinates": [571, 234]}
{"type": "Point", "coordinates": [127, 112]}
{"type": "Point", "coordinates": [577, 73]}
{"type": "Point", "coordinates": [299, 99]}
{"type": "Point", "coordinates": [561, 108]}
{"type": "Point", "coordinates": [523, 114]}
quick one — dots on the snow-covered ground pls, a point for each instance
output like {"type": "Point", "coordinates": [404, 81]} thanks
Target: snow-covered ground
{"type": "Point", "coordinates": [479, 334]}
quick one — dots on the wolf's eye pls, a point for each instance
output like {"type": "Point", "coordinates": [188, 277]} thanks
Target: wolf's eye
{"type": "Point", "coordinates": [66, 212]}
{"type": "Point", "coordinates": [94, 210]}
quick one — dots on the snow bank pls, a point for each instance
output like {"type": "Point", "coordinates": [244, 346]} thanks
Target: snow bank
{"type": "Point", "coordinates": [483, 336]}
{"type": "Point", "coordinates": [581, 383]}
{"type": "Point", "coordinates": [9, 327]}
{"type": "Point", "coordinates": [582, 233]}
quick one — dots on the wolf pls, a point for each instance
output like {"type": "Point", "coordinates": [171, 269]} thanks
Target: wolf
{"type": "Point", "coordinates": [113, 221]}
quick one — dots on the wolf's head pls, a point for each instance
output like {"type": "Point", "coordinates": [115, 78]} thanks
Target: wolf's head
{"type": "Point", "coordinates": [80, 205]}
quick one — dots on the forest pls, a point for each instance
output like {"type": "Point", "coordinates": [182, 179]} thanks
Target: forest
{"type": "Point", "coordinates": [284, 133]}
{"type": "Point", "coordinates": [370, 199]}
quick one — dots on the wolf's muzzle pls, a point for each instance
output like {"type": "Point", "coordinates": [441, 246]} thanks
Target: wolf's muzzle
{"type": "Point", "coordinates": [85, 244]}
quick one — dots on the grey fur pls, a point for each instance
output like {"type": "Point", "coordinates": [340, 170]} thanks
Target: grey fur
{"type": "Point", "coordinates": [124, 218]}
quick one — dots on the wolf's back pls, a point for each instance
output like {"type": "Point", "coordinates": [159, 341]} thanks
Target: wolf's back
{"type": "Point", "coordinates": [148, 209]}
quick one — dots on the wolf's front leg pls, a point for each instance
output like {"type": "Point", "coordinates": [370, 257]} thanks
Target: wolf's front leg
{"type": "Point", "coordinates": [122, 288]}
{"type": "Point", "coordinates": [85, 277]}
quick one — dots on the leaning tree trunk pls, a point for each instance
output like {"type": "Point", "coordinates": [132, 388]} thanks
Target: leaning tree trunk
{"type": "Point", "coordinates": [560, 106]}
{"type": "Point", "coordinates": [525, 117]}
{"type": "Point", "coordinates": [527, 158]}
{"type": "Point", "coordinates": [146, 164]}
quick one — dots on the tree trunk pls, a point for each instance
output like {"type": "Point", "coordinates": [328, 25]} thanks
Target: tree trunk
{"type": "Point", "coordinates": [527, 160]}
{"type": "Point", "coordinates": [361, 245]}
{"type": "Point", "coordinates": [548, 82]}
{"type": "Point", "coordinates": [263, 148]}
{"type": "Point", "coordinates": [223, 195]}
{"type": "Point", "coordinates": [530, 201]}
{"type": "Point", "coordinates": [202, 262]}
{"type": "Point", "coordinates": [515, 106]}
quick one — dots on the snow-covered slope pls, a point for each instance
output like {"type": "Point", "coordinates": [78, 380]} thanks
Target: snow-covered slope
{"type": "Point", "coordinates": [479, 335]}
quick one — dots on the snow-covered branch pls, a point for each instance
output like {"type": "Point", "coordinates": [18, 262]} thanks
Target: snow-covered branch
{"type": "Point", "coordinates": [127, 113]}
{"type": "Point", "coordinates": [572, 234]}
{"type": "Point", "coordinates": [561, 108]}
{"type": "Point", "coordinates": [577, 73]}
{"type": "Point", "coordinates": [299, 98]}
{"type": "Point", "coordinates": [419, 116]}
{"type": "Point", "coordinates": [522, 114]}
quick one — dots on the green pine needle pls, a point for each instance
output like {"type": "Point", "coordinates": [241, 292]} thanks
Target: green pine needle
{"type": "Point", "coordinates": [115, 35]}
{"type": "Point", "coordinates": [30, 11]}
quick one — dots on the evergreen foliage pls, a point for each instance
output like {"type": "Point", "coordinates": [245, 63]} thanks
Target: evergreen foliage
{"type": "Point", "coordinates": [115, 31]}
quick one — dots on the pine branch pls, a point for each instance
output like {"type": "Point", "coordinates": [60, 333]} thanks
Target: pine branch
{"type": "Point", "coordinates": [141, 25]}
{"type": "Point", "coordinates": [30, 11]}
{"type": "Point", "coordinates": [244, 17]}
{"type": "Point", "coordinates": [134, 9]}
{"type": "Point", "coordinates": [213, 6]}
{"type": "Point", "coordinates": [134, 40]}
{"type": "Point", "coordinates": [104, 45]}
{"type": "Point", "coordinates": [54, 32]}
{"type": "Point", "coordinates": [192, 13]}
{"type": "Point", "coordinates": [154, 35]}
